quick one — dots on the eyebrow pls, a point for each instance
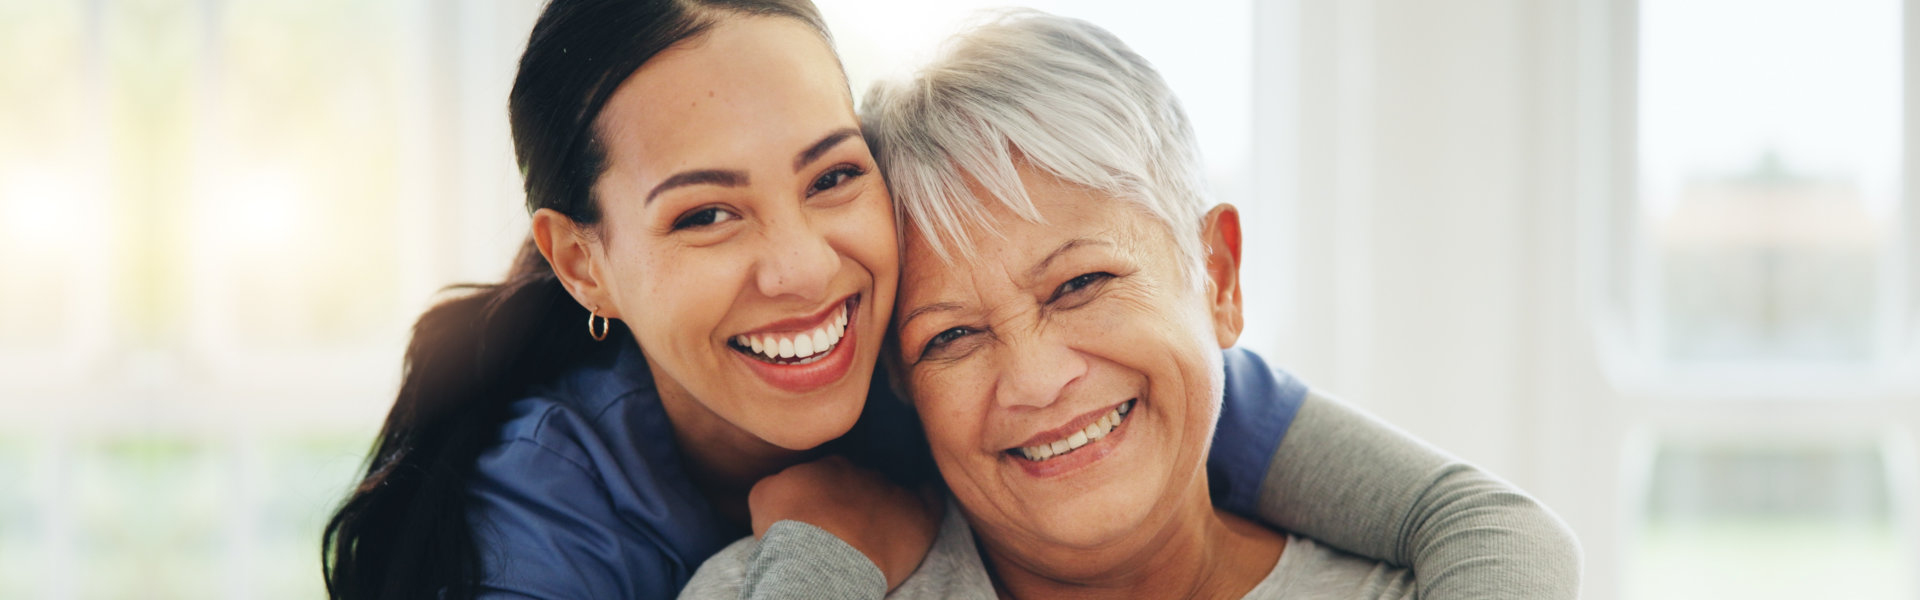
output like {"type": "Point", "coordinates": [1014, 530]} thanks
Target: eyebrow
{"type": "Point", "coordinates": [1031, 274]}
{"type": "Point", "coordinates": [812, 153]}
{"type": "Point", "coordinates": [717, 177]}
{"type": "Point", "coordinates": [1041, 268]}
{"type": "Point", "coordinates": [928, 308]}
{"type": "Point", "coordinates": [736, 178]}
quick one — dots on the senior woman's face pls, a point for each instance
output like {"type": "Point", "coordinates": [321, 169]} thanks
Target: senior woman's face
{"type": "Point", "coordinates": [1068, 375]}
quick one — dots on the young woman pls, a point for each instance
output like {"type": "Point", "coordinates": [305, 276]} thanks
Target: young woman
{"type": "Point", "coordinates": [705, 290]}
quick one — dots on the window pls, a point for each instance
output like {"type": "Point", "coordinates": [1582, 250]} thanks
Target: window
{"type": "Point", "coordinates": [1769, 162]}
{"type": "Point", "coordinates": [1767, 297]}
{"type": "Point", "coordinates": [1775, 518]}
{"type": "Point", "coordinates": [219, 219]}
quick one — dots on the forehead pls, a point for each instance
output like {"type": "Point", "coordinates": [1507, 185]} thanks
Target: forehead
{"type": "Point", "coordinates": [748, 88]}
{"type": "Point", "coordinates": [1008, 245]}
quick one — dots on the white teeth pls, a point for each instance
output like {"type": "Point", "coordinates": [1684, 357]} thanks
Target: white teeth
{"type": "Point", "coordinates": [802, 345]}
{"type": "Point", "coordinates": [1094, 431]}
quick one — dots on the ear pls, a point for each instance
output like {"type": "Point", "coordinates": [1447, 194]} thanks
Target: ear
{"type": "Point", "coordinates": [1220, 239]}
{"type": "Point", "coordinates": [574, 254]}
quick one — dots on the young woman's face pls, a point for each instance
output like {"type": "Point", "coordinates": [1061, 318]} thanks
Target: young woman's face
{"type": "Point", "coordinates": [748, 238]}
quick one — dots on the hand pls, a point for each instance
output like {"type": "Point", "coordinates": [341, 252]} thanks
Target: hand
{"type": "Point", "coordinates": [892, 525]}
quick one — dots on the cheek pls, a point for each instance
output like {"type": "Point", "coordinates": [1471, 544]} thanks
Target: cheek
{"type": "Point", "coordinates": [674, 295]}
{"type": "Point", "coordinates": [1189, 393]}
{"type": "Point", "coordinates": [1157, 338]}
{"type": "Point", "coordinates": [953, 443]}
{"type": "Point", "coordinates": [1119, 329]}
{"type": "Point", "coordinates": [863, 233]}
{"type": "Point", "coordinates": [868, 234]}
{"type": "Point", "coordinates": [950, 417]}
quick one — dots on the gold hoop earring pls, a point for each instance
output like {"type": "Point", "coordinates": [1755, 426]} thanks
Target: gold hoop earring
{"type": "Point", "coordinates": [599, 334]}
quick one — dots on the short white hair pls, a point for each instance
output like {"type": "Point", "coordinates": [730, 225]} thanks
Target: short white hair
{"type": "Point", "coordinates": [1061, 94]}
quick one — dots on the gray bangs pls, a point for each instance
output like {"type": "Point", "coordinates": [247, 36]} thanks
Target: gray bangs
{"type": "Point", "coordinates": [1062, 95]}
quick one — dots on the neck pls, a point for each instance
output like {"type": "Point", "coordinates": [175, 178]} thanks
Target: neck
{"type": "Point", "coordinates": [723, 460]}
{"type": "Point", "coordinates": [1200, 552]}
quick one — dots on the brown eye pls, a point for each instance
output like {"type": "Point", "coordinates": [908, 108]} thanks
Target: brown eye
{"type": "Point", "coordinates": [834, 178]}
{"type": "Point", "coordinates": [1079, 283]}
{"type": "Point", "coordinates": [943, 338]}
{"type": "Point", "coordinates": [704, 217]}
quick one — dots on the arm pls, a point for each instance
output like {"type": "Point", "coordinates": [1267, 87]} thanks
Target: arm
{"type": "Point", "coordinates": [797, 560]}
{"type": "Point", "coordinates": [1358, 484]}
{"type": "Point", "coordinates": [1384, 494]}
{"type": "Point", "coordinates": [828, 529]}
{"type": "Point", "coordinates": [792, 560]}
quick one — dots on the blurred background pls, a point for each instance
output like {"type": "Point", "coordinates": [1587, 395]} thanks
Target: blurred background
{"type": "Point", "coordinates": [1654, 261]}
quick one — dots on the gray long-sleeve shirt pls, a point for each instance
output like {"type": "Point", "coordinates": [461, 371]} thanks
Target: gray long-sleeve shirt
{"type": "Point", "coordinates": [1375, 491]}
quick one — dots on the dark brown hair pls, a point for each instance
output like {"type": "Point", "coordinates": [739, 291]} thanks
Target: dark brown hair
{"type": "Point", "coordinates": [402, 532]}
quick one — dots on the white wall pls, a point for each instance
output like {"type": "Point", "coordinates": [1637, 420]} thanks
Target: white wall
{"type": "Point", "coordinates": [1433, 230]}
{"type": "Point", "coordinates": [1414, 212]}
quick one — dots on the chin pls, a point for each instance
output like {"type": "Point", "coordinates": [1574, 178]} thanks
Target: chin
{"type": "Point", "coordinates": [807, 426]}
{"type": "Point", "coordinates": [1097, 518]}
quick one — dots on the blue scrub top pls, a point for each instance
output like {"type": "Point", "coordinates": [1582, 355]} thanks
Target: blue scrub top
{"type": "Point", "coordinates": [585, 496]}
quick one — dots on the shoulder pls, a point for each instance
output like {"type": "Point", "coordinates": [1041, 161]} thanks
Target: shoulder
{"type": "Point", "coordinates": [1257, 409]}
{"type": "Point", "coordinates": [601, 419]}
{"type": "Point", "coordinates": [952, 568]}
{"type": "Point", "coordinates": [797, 559]}
{"type": "Point", "coordinates": [1309, 570]}
{"type": "Point", "coordinates": [1250, 378]}
{"type": "Point", "coordinates": [582, 494]}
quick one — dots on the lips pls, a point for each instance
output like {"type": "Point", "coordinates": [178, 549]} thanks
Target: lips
{"type": "Point", "coordinates": [797, 348]}
{"type": "Point", "coordinates": [1074, 439]}
{"type": "Point", "coordinates": [806, 353]}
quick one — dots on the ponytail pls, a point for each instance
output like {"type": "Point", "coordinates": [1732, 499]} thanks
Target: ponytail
{"type": "Point", "coordinates": [403, 531]}
{"type": "Point", "coordinates": [402, 534]}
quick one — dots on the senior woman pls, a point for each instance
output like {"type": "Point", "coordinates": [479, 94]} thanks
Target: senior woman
{"type": "Point", "coordinates": [1066, 298]}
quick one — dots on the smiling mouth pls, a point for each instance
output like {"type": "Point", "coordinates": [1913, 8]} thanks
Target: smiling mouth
{"type": "Point", "coordinates": [799, 348]}
{"type": "Point", "coordinates": [1074, 441]}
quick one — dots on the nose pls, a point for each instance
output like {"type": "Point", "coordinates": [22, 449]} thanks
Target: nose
{"type": "Point", "coordinates": [1035, 370]}
{"type": "Point", "coordinates": [799, 262]}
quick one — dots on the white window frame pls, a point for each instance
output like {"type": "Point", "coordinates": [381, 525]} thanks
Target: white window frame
{"type": "Point", "coordinates": [1650, 400]}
